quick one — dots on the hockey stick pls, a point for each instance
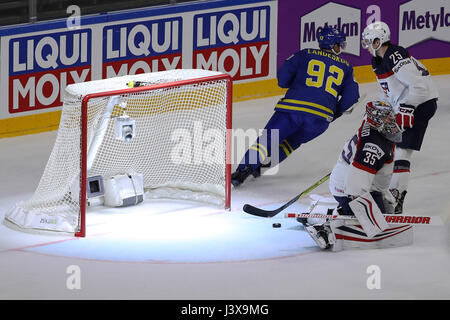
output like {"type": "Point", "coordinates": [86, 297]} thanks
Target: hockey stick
{"type": "Point", "coordinates": [390, 218]}
{"type": "Point", "coordinates": [270, 213]}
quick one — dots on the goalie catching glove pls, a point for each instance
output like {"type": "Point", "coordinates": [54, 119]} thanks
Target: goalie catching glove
{"type": "Point", "coordinates": [405, 116]}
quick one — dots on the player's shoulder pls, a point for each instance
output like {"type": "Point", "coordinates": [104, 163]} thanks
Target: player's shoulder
{"type": "Point", "coordinates": [298, 55]}
{"type": "Point", "coordinates": [327, 57]}
{"type": "Point", "coordinates": [399, 49]}
{"type": "Point", "coordinates": [302, 52]}
{"type": "Point", "coordinates": [343, 64]}
{"type": "Point", "coordinates": [394, 54]}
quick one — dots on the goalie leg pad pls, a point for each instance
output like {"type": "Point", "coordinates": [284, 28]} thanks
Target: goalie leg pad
{"type": "Point", "coordinates": [350, 236]}
{"type": "Point", "coordinates": [369, 215]}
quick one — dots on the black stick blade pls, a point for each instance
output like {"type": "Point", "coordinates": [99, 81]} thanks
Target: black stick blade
{"type": "Point", "coordinates": [259, 212]}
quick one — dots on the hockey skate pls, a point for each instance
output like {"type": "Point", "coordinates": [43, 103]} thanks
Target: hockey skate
{"type": "Point", "coordinates": [400, 198]}
{"type": "Point", "coordinates": [321, 234]}
{"type": "Point", "coordinates": [303, 221]}
{"type": "Point", "coordinates": [239, 176]}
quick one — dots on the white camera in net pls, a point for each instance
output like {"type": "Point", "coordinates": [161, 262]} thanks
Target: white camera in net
{"type": "Point", "coordinates": [124, 128]}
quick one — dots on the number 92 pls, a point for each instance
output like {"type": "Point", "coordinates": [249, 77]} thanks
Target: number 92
{"type": "Point", "coordinates": [316, 69]}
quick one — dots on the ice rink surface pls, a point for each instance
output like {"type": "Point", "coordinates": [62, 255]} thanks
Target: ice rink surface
{"type": "Point", "coordinates": [172, 250]}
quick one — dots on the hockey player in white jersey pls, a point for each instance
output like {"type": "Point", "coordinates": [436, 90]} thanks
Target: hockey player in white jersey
{"type": "Point", "coordinates": [406, 85]}
{"type": "Point", "coordinates": [364, 169]}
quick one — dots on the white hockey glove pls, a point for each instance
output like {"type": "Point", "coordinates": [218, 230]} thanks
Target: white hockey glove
{"type": "Point", "coordinates": [405, 116]}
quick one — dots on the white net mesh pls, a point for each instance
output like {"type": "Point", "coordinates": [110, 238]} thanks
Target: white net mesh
{"type": "Point", "coordinates": [179, 145]}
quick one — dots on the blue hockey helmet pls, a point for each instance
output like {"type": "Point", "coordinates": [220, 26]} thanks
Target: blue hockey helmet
{"type": "Point", "coordinates": [330, 36]}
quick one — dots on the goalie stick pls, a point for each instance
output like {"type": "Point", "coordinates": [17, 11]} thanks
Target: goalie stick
{"type": "Point", "coordinates": [390, 218]}
{"type": "Point", "coordinates": [270, 213]}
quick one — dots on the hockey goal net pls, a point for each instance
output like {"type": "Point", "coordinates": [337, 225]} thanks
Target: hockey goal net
{"type": "Point", "coordinates": [180, 145]}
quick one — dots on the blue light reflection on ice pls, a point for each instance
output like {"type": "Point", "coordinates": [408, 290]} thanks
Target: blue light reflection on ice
{"type": "Point", "coordinates": [188, 235]}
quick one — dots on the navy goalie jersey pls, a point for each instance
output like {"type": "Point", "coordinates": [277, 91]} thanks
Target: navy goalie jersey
{"type": "Point", "coordinates": [365, 164]}
{"type": "Point", "coordinates": [320, 84]}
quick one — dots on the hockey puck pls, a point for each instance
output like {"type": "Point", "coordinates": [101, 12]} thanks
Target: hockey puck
{"type": "Point", "coordinates": [276, 225]}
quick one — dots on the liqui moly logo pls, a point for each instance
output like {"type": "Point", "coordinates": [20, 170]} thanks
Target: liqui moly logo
{"type": "Point", "coordinates": [344, 18]}
{"type": "Point", "coordinates": [420, 20]}
{"type": "Point", "coordinates": [40, 67]}
{"type": "Point", "coordinates": [142, 47]}
{"type": "Point", "coordinates": [235, 42]}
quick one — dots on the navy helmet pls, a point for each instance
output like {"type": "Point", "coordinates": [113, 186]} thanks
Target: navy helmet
{"type": "Point", "coordinates": [330, 36]}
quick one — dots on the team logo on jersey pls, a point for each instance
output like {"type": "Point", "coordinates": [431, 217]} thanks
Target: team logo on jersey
{"type": "Point", "coordinates": [384, 87]}
{"type": "Point", "coordinates": [374, 149]}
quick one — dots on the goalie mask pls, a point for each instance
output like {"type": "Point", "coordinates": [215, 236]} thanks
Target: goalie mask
{"type": "Point", "coordinates": [381, 117]}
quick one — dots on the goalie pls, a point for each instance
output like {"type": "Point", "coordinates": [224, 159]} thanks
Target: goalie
{"type": "Point", "coordinates": [360, 179]}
